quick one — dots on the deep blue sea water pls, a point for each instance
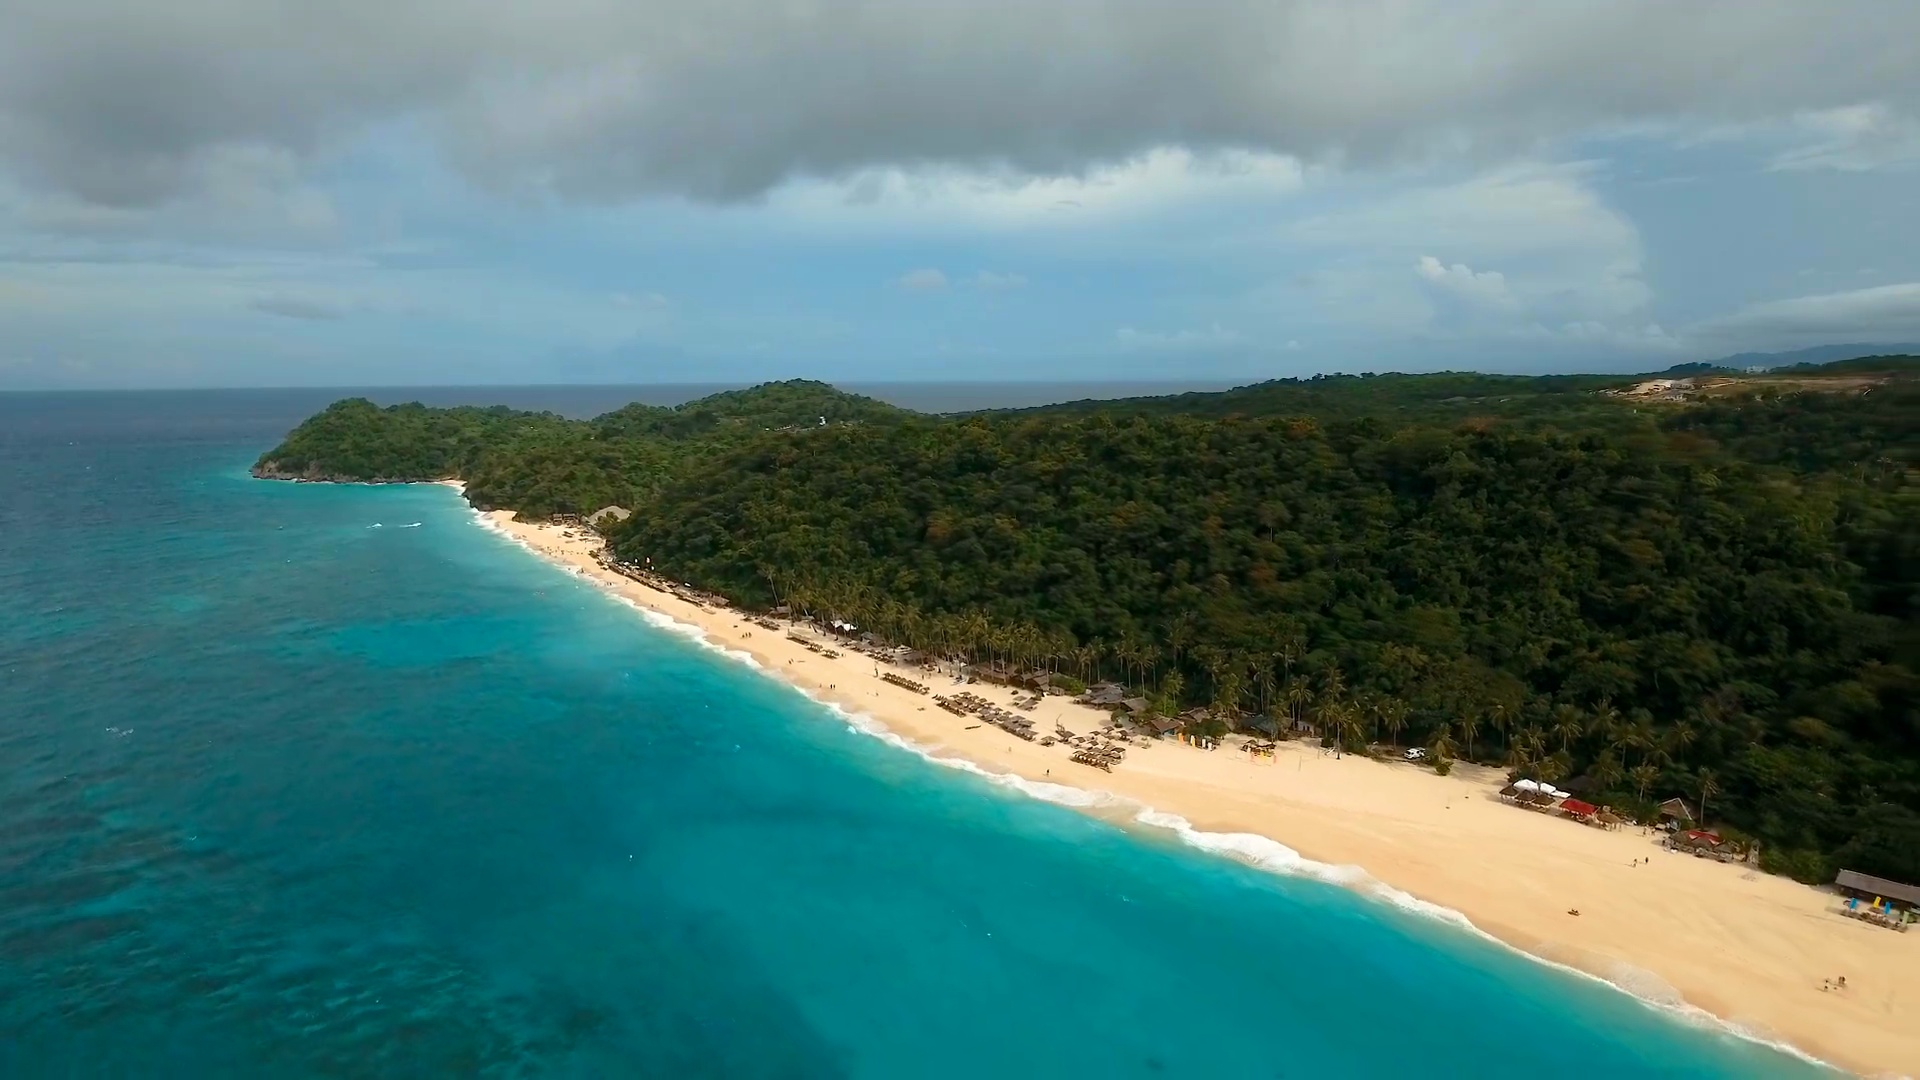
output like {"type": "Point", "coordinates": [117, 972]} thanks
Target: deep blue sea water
{"type": "Point", "coordinates": [283, 794]}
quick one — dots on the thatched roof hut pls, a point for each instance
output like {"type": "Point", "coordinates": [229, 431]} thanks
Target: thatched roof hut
{"type": "Point", "coordinates": [608, 515]}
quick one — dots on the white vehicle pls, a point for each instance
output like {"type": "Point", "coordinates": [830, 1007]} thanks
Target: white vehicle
{"type": "Point", "coordinates": [1416, 753]}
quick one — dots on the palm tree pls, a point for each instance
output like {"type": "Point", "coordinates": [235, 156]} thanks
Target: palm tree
{"type": "Point", "coordinates": [1179, 633]}
{"type": "Point", "coordinates": [1060, 646]}
{"type": "Point", "coordinates": [1709, 786]}
{"type": "Point", "coordinates": [1367, 708]}
{"type": "Point", "coordinates": [1286, 642]}
{"type": "Point", "coordinates": [1264, 679]}
{"type": "Point", "coordinates": [973, 632]}
{"type": "Point", "coordinates": [1341, 721]}
{"type": "Point", "coordinates": [1605, 719]}
{"type": "Point", "coordinates": [1333, 684]}
{"type": "Point", "coordinates": [1393, 713]}
{"type": "Point", "coordinates": [997, 642]}
{"type": "Point", "coordinates": [1214, 661]}
{"type": "Point", "coordinates": [1130, 655]}
{"type": "Point", "coordinates": [1535, 740]}
{"type": "Point", "coordinates": [1469, 726]}
{"type": "Point", "coordinates": [1643, 776]}
{"type": "Point", "coordinates": [1442, 745]}
{"type": "Point", "coordinates": [1566, 724]}
{"type": "Point", "coordinates": [1500, 717]}
{"type": "Point", "coordinates": [1083, 658]}
{"type": "Point", "coordinates": [1353, 722]}
{"type": "Point", "coordinates": [1606, 770]}
{"type": "Point", "coordinates": [1299, 699]}
{"type": "Point", "coordinates": [1226, 697]}
{"type": "Point", "coordinates": [1638, 732]}
{"type": "Point", "coordinates": [1680, 736]}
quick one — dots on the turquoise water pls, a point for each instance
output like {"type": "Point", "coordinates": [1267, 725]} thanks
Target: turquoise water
{"type": "Point", "coordinates": [283, 794]}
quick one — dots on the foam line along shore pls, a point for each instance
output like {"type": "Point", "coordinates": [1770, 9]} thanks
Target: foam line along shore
{"type": "Point", "coordinates": [1707, 941]}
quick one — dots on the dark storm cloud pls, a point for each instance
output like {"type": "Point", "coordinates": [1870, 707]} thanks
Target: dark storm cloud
{"type": "Point", "coordinates": [117, 101]}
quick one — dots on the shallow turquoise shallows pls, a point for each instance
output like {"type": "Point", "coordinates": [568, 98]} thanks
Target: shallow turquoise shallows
{"type": "Point", "coordinates": [329, 781]}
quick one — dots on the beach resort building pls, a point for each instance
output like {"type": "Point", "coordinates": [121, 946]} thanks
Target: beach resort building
{"type": "Point", "coordinates": [1894, 900]}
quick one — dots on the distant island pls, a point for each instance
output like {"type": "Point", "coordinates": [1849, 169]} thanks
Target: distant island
{"type": "Point", "coordinates": [1702, 584]}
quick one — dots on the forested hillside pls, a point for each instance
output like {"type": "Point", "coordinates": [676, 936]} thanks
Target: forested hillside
{"type": "Point", "coordinates": [542, 464]}
{"type": "Point", "coordinates": [1714, 598]}
{"type": "Point", "coordinates": [1438, 397]}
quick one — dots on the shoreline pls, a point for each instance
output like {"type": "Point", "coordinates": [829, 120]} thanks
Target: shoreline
{"type": "Point", "coordinates": [1708, 943]}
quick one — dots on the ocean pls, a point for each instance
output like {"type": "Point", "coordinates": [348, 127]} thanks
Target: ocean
{"type": "Point", "coordinates": [305, 780]}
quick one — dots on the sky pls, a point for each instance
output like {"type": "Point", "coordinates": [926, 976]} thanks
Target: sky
{"type": "Point", "coordinates": [410, 192]}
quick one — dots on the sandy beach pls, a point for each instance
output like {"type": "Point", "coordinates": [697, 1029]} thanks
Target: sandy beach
{"type": "Point", "coordinates": [1749, 948]}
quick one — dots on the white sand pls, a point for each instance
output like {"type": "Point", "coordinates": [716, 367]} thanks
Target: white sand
{"type": "Point", "coordinates": [1749, 948]}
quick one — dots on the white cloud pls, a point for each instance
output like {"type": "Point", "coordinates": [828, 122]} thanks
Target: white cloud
{"type": "Point", "coordinates": [644, 301]}
{"type": "Point", "coordinates": [1881, 313]}
{"type": "Point", "coordinates": [1213, 338]}
{"type": "Point", "coordinates": [1482, 288]}
{"type": "Point", "coordinates": [1856, 138]}
{"type": "Point", "coordinates": [117, 99]}
{"type": "Point", "coordinates": [926, 279]}
{"type": "Point", "coordinates": [1564, 256]}
{"type": "Point", "coordinates": [945, 197]}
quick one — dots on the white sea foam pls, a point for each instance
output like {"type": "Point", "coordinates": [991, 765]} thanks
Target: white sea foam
{"type": "Point", "coordinates": [1260, 852]}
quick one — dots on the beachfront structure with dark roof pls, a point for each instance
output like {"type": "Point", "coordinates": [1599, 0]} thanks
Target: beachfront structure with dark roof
{"type": "Point", "coordinates": [1866, 886]}
{"type": "Point", "coordinates": [1677, 810]}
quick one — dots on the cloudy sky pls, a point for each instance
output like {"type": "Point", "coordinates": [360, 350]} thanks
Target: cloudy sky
{"type": "Point", "coordinates": [276, 192]}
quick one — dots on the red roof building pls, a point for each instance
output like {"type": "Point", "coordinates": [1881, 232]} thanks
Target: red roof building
{"type": "Point", "coordinates": [1579, 809]}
